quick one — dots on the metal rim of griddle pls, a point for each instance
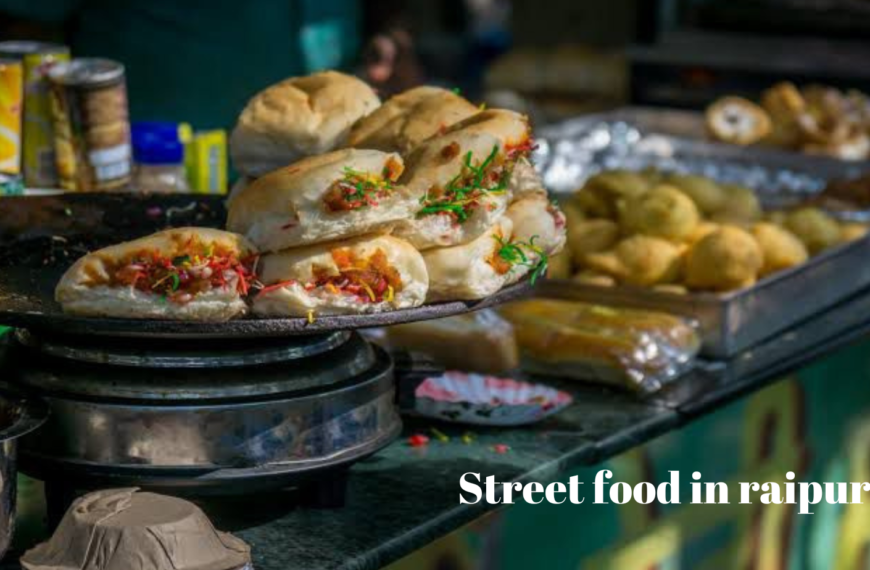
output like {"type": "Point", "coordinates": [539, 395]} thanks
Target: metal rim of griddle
{"type": "Point", "coordinates": [224, 479]}
{"type": "Point", "coordinates": [122, 352]}
{"type": "Point", "coordinates": [98, 383]}
{"type": "Point", "coordinates": [247, 327]}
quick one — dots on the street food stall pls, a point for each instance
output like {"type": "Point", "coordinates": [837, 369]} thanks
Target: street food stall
{"type": "Point", "coordinates": [295, 362]}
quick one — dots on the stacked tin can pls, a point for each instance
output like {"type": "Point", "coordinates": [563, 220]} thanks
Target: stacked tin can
{"type": "Point", "coordinates": [26, 134]}
{"type": "Point", "coordinates": [91, 124]}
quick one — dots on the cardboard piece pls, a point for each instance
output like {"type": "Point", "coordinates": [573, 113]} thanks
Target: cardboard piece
{"type": "Point", "coordinates": [124, 529]}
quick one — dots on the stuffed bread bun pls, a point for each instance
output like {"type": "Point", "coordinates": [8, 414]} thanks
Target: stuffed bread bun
{"type": "Point", "coordinates": [183, 273]}
{"type": "Point", "coordinates": [405, 120]}
{"type": "Point", "coordinates": [322, 198]}
{"type": "Point", "coordinates": [240, 184]}
{"type": "Point", "coordinates": [525, 181]}
{"type": "Point", "coordinates": [470, 271]}
{"type": "Point", "coordinates": [298, 117]}
{"type": "Point", "coordinates": [370, 274]}
{"type": "Point", "coordinates": [539, 232]}
{"type": "Point", "coordinates": [463, 178]}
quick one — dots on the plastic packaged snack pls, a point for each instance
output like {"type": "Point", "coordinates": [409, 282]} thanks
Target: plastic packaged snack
{"type": "Point", "coordinates": [634, 349]}
{"type": "Point", "coordinates": [477, 342]}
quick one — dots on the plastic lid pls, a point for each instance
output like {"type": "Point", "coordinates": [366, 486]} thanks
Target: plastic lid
{"type": "Point", "coordinates": [166, 130]}
{"type": "Point", "coordinates": [157, 142]}
{"type": "Point", "coordinates": [158, 151]}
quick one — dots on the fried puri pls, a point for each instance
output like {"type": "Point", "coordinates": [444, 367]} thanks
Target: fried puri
{"type": "Point", "coordinates": [728, 258]}
{"type": "Point", "coordinates": [592, 236]}
{"type": "Point", "coordinates": [664, 212]}
{"type": "Point", "coordinates": [814, 227]}
{"type": "Point", "coordinates": [780, 248]}
{"type": "Point", "coordinates": [708, 196]}
{"type": "Point", "coordinates": [639, 260]}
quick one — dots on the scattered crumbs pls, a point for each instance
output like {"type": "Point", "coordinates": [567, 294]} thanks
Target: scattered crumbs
{"type": "Point", "coordinates": [467, 438]}
{"type": "Point", "coordinates": [440, 435]}
{"type": "Point", "coordinates": [418, 440]}
{"type": "Point", "coordinates": [501, 448]}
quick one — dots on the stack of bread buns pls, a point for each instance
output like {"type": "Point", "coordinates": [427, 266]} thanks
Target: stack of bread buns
{"type": "Point", "coordinates": [439, 186]}
{"type": "Point", "coordinates": [354, 206]}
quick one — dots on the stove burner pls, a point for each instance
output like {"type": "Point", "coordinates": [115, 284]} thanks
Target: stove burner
{"type": "Point", "coordinates": [282, 414]}
{"type": "Point", "coordinates": [167, 353]}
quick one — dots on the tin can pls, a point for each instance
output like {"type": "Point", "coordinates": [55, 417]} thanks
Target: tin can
{"type": "Point", "coordinates": [91, 124]}
{"type": "Point", "coordinates": [37, 149]}
{"type": "Point", "coordinates": [11, 103]}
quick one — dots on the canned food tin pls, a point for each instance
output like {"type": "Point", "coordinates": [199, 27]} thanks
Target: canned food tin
{"type": "Point", "coordinates": [11, 99]}
{"type": "Point", "coordinates": [91, 123]}
{"type": "Point", "coordinates": [37, 137]}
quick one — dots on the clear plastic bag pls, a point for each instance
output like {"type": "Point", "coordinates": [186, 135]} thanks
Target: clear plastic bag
{"type": "Point", "coordinates": [634, 349]}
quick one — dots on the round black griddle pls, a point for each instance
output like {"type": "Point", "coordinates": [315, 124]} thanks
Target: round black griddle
{"type": "Point", "coordinates": [41, 237]}
{"type": "Point", "coordinates": [26, 301]}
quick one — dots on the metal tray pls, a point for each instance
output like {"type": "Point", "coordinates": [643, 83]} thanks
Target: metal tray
{"type": "Point", "coordinates": [570, 152]}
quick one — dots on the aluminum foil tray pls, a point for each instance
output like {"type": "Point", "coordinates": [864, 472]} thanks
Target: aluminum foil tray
{"type": "Point", "coordinates": [570, 152]}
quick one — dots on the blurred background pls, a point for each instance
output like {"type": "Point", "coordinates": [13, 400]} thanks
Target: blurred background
{"type": "Point", "coordinates": [555, 59]}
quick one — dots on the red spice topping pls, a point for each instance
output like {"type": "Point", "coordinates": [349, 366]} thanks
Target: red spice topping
{"type": "Point", "coordinates": [501, 448]}
{"type": "Point", "coordinates": [418, 440]}
{"type": "Point", "coordinates": [370, 279]}
{"type": "Point", "coordinates": [360, 189]}
{"type": "Point", "coordinates": [181, 277]}
{"type": "Point", "coordinates": [522, 148]}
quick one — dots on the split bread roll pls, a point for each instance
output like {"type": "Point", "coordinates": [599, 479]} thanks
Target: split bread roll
{"type": "Point", "coordinates": [407, 119]}
{"type": "Point", "coordinates": [463, 178]}
{"type": "Point", "coordinates": [470, 271]}
{"type": "Point", "coordinates": [332, 196]}
{"type": "Point", "coordinates": [183, 273]}
{"type": "Point", "coordinates": [539, 230]}
{"type": "Point", "coordinates": [370, 274]}
{"type": "Point", "coordinates": [298, 117]}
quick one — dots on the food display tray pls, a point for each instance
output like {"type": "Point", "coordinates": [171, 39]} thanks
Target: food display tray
{"type": "Point", "coordinates": [570, 152]}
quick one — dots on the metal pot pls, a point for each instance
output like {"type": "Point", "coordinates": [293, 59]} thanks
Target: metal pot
{"type": "Point", "coordinates": [18, 416]}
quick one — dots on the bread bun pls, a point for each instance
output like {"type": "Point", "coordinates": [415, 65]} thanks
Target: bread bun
{"type": "Point", "coordinates": [490, 141]}
{"type": "Point", "coordinates": [306, 202]}
{"type": "Point", "coordinates": [135, 279]}
{"type": "Point", "coordinates": [240, 184]}
{"type": "Point", "coordinates": [525, 181]}
{"type": "Point", "coordinates": [405, 120]}
{"type": "Point", "coordinates": [370, 274]}
{"type": "Point", "coordinates": [469, 271]}
{"type": "Point", "coordinates": [537, 224]}
{"type": "Point", "coordinates": [298, 117]}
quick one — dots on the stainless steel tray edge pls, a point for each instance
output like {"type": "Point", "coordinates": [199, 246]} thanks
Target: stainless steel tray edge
{"type": "Point", "coordinates": [732, 322]}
